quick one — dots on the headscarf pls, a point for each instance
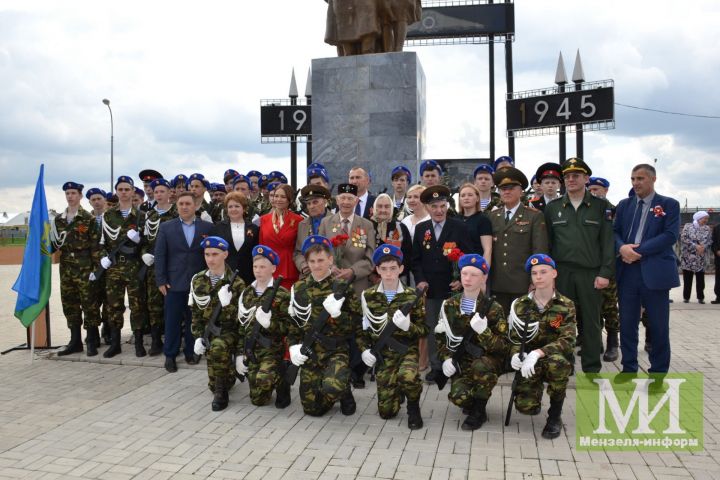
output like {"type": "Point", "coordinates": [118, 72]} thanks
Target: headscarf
{"type": "Point", "coordinates": [381, 228]}
{"type": "Point", "coordinates": [699, 216]}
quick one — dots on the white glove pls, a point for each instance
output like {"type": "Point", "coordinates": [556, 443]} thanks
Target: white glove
{"type": "Point", "coordinates": [333, 305]}
{"type": "Point", "coordinates": [478, 323]}
{"type": "Point", "coordinates": [368, 358]}
{"type": "Point", "coordinates": [133, 235]}
{"type": "Point", "coordinates": [515, 362]}
{"type": "Point", "coordinates": [206, 216]}
{"type": "Point", "coordinates": [199, 347]}
{"type": "Point", "coordinates": [401, 321]}
{"type": "Point", "coordinates": [148, 259]}
{"type": "Point", "coordinates": [224, 295]}
{"type": "Point", "coordinates": [92, 277]}
{"type": "Point", "coordinates": [296, 357]}
{"type": "Point", "coordinates": [106, 262]}
{"type": "Point", "coordinates": [448, 368]}
{"type": "Point", "coordinates": [240, 366]}
{"type": "Point", "coordinates": [528, 366]}
{"type": "Point", "coordinates": [263, 318]}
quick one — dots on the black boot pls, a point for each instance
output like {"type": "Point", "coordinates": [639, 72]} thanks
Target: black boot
{"type": "Point", "coordinates": [139, 347]}
{"type": "Point", "coordinates": [477, 416]}
{"type": "Point", "coordinates": [92, 340]}
{"type": "Point", "coordinates": [75, 345]}
{"type": "Point", "coordinates": [114, 344]}
{"type": "Point", "coordinates": [553, 427]}
{"type": "Point", "coordinates": [220, 399]}
{"type": "Point", "coordinates": [105, 333]}
{"type": "Point", "coordinates": [415, 421]}
{"type": "Point", "coordinates": [611, 351]}
{"type": "Point", "coordinates": [347, 403]}
{"type": "Point", "coordinates": [156, 347]}
{"type": "Point", "coordinates": [282, 394]}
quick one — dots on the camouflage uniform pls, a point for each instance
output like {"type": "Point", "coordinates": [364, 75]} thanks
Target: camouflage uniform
{"type": "Point", "coordinates": [324, 380]}
{"type": "Point", "coordinates": [398, 375]}
{"type": "Point", "coordinates": [265, 358]}
{"type": "Point", "coordinates": [556, 338]}
{"type": "Point", "coordinates": [206, 208]}
{"type": "Point", "coordinates": [495, 202]}
{"type": "Point", "coordinates": [484, 358]}
{"type": "Point", "coordinates": [610, 312]}
{"type": "Point", "coordinates": [123, 274]}
{"type": "Point", "coordinates": [80, 254]}
{"type": "Point", "coordinates": [220, 350]}
{"type": "Point", "coordinates": [155, 299]}
{"type": "Point", "coordinates": [261, 205]}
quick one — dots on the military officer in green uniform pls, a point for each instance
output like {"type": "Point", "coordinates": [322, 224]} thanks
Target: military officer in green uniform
{"type": "Point", "coordinates": [241, 183]}
{"type": "Point", "coordinates": [207, 289]}
{"type": "Point", "coordinates": [475, 374]}
{"type": "Point", "coordinates": [75, 233]}
{"type": "Point", "coordinates": [398, 373]}
{"type": "Point", "coordinates": [518, 232]}
{"type": "Point", "coordinates": [260, 338]}
{"type": "Point", "coordinates": [545, 319]}
{"type": "Point", "coordinates": [581, 239]}
{"type": "Point", "coordinates": [325, 379]}
{"type": "Point", "coordinates": [98, 201]}
{"type": "Point", "coordinates": [161, 212]}
{"type": "Point", "coordinates": [262, 204]}
{"type": "Point", "coordinates": [550, 178]}
{"type": "Point", "coordinates": [197, 185]}
{"type": "Point", "coordinates": [599, 187]}
{"type": "Point", "coordinates": [121, 227]}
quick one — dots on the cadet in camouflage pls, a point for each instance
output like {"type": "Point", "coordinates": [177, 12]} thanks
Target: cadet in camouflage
{"type": "Point", "coordinates": [398, 373]}
{"type": "Point", "coordinates": [324, 379]}
{"type": "Point", "coordinates": [476, 372]}
{"type": "Point", "coordinates": [75, 235]}
{"type": "Point", "coordinates": [260, 347]}
{"type": "Point", "coordinates": [207, 289]}
{"type": "Point", "coordinates": [546, 320]}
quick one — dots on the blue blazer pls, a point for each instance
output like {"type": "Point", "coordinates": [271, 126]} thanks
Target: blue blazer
{"type": "Point", "coordinates": [660, 233]}
{"type": "Point", "coordinates": [175, 262]}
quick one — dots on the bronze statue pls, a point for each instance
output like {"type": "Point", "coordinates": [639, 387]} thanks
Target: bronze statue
{"type": "Point", "coordinates": [358, 27]}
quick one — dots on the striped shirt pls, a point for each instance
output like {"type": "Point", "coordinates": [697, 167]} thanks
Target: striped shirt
{"type": "Point", "coordinates": [467, 305]}
{"type": "Point", "coordinates": [390, 294]}
{"type": "Point", "coordinates": [214, 279]}
{"type": "Point", "coordinates": [125, 213]}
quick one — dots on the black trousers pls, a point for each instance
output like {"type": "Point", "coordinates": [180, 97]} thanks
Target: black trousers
{"type": "Point", "coordinates": [699, 287]}
{"type": "Point", "coordinates": [717, 278]}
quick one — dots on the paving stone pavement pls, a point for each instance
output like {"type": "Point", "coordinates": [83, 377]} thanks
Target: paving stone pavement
{"type": "Point", "coordinates": [126, 418]}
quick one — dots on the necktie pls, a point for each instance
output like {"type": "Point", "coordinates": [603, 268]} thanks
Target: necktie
{"type": "Point", "coordinates": [508, 213]}
{"type": "Point", "coordinates": [438, 231]}
{"type": "Point", "coordinates": [346, 226]}
{"type": "Point", "coordinates": [636, 221]}
{"type": "Point", "coordinates": [357, 209]}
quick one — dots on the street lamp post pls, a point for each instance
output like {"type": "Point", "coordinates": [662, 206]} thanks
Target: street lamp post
{"type": "Point", "coordinates": [112, 141]}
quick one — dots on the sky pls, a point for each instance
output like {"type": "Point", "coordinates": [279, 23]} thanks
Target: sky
{"type": "Point", "coordinates": [185, 80]}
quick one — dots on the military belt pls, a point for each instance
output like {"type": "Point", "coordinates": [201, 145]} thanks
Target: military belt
{"type": "Point", "coordinates": [127, 251]}
{"type": "Point", "coordinates": [332, 343]}
{"type": "Point", "coordinates": [125, 258]}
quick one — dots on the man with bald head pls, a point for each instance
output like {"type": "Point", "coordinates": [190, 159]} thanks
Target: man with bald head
{"type": "Point", "coordinates": [361, 179]}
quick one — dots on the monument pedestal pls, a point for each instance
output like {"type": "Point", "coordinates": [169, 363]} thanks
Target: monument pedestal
{"type": "Point", "coordinates": [368, 111]}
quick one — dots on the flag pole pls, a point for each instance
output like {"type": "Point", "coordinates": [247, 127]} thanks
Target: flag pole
{"type": "Point", "coordinates": [32, 342]}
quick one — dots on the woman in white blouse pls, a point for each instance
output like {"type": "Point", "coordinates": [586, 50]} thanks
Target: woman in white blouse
{"type": "Point", "coordinates": [419, 214]}
{"type": "Point", "coordinates": [240, 234]}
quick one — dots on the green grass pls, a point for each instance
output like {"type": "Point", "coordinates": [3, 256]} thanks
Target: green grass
{"type": "Point", "coordinates": [12, 242]}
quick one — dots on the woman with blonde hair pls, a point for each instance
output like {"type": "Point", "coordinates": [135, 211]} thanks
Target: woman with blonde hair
{"type": "Point", "coordinates": [413, 203]}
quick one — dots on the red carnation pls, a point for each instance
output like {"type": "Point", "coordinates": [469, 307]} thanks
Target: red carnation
{"type": "Point", "coordinates": [455, 255]}
{"type": "Point", "coordinates": [339, 240]}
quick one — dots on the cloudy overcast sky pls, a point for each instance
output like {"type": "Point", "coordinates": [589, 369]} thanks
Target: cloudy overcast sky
{"type": "Point", "coordinates": [185, 81]}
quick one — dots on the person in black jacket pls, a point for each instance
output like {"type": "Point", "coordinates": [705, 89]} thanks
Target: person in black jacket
{"type": "Point", "coordinates": [433, 241]}
{"type": "Point", "coordinates": [241, 236]}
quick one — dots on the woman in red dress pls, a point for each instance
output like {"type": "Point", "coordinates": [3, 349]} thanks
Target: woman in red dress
{"type": "Point", "coordinates": [278, 230]}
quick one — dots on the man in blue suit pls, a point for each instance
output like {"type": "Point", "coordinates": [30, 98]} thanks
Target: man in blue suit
{"type": "Point", "coordinates": [179, 256]}
{"type": "Point", "coordinates": [647, 225]}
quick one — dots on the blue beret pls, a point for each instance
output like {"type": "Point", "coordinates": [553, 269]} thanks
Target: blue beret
{"type": "Point", "coordinates": [385, 250]}
{"type": "Point", "coordinates": [317, 165]}
{"type": "Point", "coordinates": [263, 181]}
{"type": "Point", "coordinates": [533, 179]}
{"type": "Point", "coordinates": [124, 179]}
{"type": "Point", "coordinates": [318, 172]}
{"type": "Point", "coordinates": [254, 173]}
{"type": "Point", "coordinates": [430, 165]}
{"type": "Point", "coordinates": [273, 185]}
{"type": "Point", "coordinates": [159, 182]}
{"type": "Point", "coordinates": [267, 252]}
{"type": "Point", "coordinates": [109, 196]}
{"type": "Point", "coordinates": [95, 191]}
{"type": "Point", "coordinates": [230, 173]}
{"type": "Point", "coordinates": [315, 240]}
{"type": "Point", "coordinates": [279, 176]}
{"type": "Point", "coordinates": [539, 259]}
{"type": "Point", "coordinates": [215, 242]}
{"type": "Point", "coordinates": [599, 181]}
{"type": "Point", "coordinates": [198, 176]}
{"type": "Point", "coordinates": [241, 178]}
{"type": "Point", "coordinates": [179, 179]}
{"type": "Point", "coordinates": [504, 158]}
{"type": "Point", "coordinates": [73, 186]}
{"type": "Point", "coordinates": [401, 169]}
{"type": "Point", "coordinates": [212, 187]}
{"type": "Point", "coordinates": [140, 191]}
{"type": "Point", "coordinates": [474, 260]}
{"type": "Point", "coordinates": [484, 168]}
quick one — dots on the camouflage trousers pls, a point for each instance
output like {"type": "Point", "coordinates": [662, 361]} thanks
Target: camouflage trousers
{"type": "Point", "coordinates": [120, 277]}
{"type": "Point", "coordinates": [155, 300]}
{"type": "Point", "coordinates": [220, 362]}
{"type": "Point", "coordinates": [610, 312]}
{"type": "Point", "coordinates": [398, 375]}
{"type": "Point", "coordinates": [78, 294]}
{"type": "Point", "coordinates": [553, 370]}
{"type": "Point", "coordinates": [265, 374]}
{"type": "Point", "coordinates": [324, 381]}
{"type": "Point", "coordinates": [475, 380]}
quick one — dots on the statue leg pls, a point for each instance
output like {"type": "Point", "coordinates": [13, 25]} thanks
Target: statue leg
{"type": "Point", "coordinates": [399, 37]}
{"type": "Point", "coordinates": [367, 44]}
